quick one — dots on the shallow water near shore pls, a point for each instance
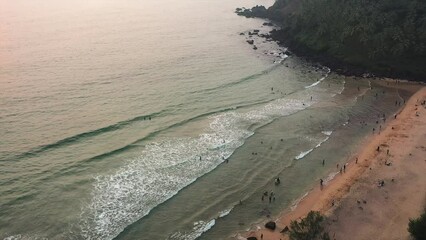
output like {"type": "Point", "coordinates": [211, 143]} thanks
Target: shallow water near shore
{"type": "Point", "coordinates": [148, 120]}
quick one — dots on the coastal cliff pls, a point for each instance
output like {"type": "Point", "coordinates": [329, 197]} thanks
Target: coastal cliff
{"type": "Point", "coordinates": [387, 38]}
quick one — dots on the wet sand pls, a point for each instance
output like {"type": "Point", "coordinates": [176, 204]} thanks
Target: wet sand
{"type": "Point", "coordinates": [354, 202]}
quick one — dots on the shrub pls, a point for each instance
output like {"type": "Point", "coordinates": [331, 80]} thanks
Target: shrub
{"type": "Point", "coordinates": [417, 227]}
{"type": "Point", "coordinates": [309, 228]}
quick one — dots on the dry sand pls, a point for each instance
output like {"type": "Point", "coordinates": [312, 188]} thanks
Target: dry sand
{"type": "Point", "coordinates": [362, 209]}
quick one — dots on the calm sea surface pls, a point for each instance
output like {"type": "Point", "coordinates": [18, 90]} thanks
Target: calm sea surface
{"type": "Point", "coordinates": [153, 119]}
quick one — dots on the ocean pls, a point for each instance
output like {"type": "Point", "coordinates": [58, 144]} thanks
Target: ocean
{"type": "Point", "coordinates": [155, 119]}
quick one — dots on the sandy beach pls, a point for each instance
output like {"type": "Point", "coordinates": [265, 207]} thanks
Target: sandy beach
{"type": "Point", "coordinates": [354, 202]}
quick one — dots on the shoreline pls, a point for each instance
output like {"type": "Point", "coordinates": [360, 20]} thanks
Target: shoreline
{"type": "Point", "coordinates": [335, 193]}
{"type": "Point", "coordinates": [339, 65]}
{"type": "Point", "coordinates": [320, 59]}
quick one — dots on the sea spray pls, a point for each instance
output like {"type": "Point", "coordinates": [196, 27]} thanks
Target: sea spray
{"type": "Point", "coordinates": [166, 167]}
{"type": "Point", "coordinates": [321, 79]}
{"type": "Point", "coordinates": [198, 229]}
{"type": "Point", "coordinates": [304, 153]}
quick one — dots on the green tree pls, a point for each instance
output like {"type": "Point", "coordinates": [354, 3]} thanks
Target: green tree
{"type": "Point", "coordinates": [417, 227]}
{"type": "Point", "coordinates": [309, 228]}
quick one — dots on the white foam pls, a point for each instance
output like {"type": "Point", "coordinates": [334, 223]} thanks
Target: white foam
{"type": "Point", "coordinates": [315, 83]}
{"type": "Point", "coordinates": [225, 212]}
{"type": "Point", "coordinates": [328, 133]}
{"type": "Point", "coordinates": [320, 80]}
{"type": "Point", "coordinates": [323, 141]}
{"type": "Point", "coordinates": [166, 167]}
{"type": "Point", "coordinates": [330, 177]}
{"type": "Point", "coordinates": [199, 228]}
{"type": "Point", "coordinates": [281, 58]}
{"type": "Point", "coordinates": [303, 154]}
{"type": "Point", "coordinates": [24, 237]}
{"type": "Point", "coordinates": [343, 87]}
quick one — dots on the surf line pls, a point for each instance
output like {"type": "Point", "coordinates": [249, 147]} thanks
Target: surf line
{"type": "Point", "coordinates": [303, 154]}
{"type": "Point", "coordinates": [321, 79]}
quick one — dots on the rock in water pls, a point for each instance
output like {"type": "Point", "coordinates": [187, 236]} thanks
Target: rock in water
{"type": "Point", "coordinates": [252, 238]}
{"type": "Point", "coordinates": [270, 225]}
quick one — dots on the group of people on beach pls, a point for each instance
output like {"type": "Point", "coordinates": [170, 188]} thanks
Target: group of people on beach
{"type": "Point", "coordinates": [381, 120]}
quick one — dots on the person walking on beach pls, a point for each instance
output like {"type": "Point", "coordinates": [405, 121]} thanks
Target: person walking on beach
{"type": "Point", "coordinates": [356, 160]}
{"type": "Point", "coordinates": [344, 168]}
{"type": "Point", "coordinates": [323, 162]}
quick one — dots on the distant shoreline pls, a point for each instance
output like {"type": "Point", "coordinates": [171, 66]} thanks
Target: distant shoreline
{"type": "Point", "coordinates": [342, 64]}
{"type": "Point", "coordinates": [334, 64]}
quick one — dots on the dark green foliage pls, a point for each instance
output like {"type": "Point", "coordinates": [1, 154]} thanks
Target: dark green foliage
{"type": "Point", "coordinates": [257, 11]}
{"type": "Point", "coordinates": [417, 227]}
{"type": "Point", "coordinates": [382, 28]}
{"type": "Point", "coordinates": [309, 228]}
{"type": "Point", "coordinates": [384, 35]}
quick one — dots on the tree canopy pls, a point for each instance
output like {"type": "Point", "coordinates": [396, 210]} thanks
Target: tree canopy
{"type": "Point", "coordinates": [309, 228]}
{"type": "Point", "coordinates": [417, 227]}
{"type": "Point", "coordinates": [381, 35]}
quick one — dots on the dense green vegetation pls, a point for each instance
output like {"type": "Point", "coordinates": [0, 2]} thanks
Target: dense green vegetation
{"type": "Point", "coordinates": [309, 228]}
{"type": "Point", "coordinates": [417, 227]}
{"type": "Point", "coordinates": [385, 36]}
